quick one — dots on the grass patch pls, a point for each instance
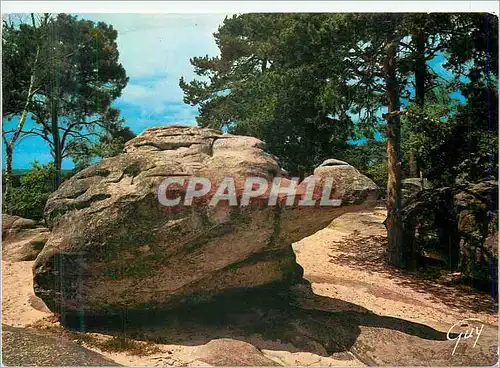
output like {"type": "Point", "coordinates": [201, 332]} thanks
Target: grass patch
{"type": "Point", "coordinates": [38, 244]}
{"type": "Point", "coordinates": [124, 344]}
{"type": "Point", "coordinates": [116, 344]}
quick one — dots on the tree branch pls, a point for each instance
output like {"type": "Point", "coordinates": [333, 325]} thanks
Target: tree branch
{"type": "Point", "coordinates": [40, 134]}
{"type": "Point", "coordinates": [433, 53]}
{"type": "Point", "coordinates": [83, 137]}
{"type": "Point", "coordinates": [410, 47]}
{"type": "Point", "coordinates": [67, 130]}
{"type": "Point", "coordinates": [5, 139]}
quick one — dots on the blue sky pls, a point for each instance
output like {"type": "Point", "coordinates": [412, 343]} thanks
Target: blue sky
{"type": "Point", "coordinates": [155, 51]}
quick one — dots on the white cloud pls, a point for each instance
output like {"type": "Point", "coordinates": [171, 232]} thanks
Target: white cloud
{"type": "Point", "coordinates": [155, 51]}
{"type": "Point", "coordinates": [154, 94]}
{"type": "Point", "coordinates": [162, 44]}
{"type": "Point", "coordinates": [172, 114]}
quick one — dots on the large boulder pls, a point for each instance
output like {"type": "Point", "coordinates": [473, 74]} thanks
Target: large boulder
{"type": "Point", "coordinates": [410, 186]}
{"type": "Point", "coordinates": [22, 239]}
{"type": "Point", "coordinates": [232, 353]}
{"type": "Point", "coordinates": [458, 226]}
{"type": "Point", "coordinates": [13, 225]}
{"type": "Point", "coordinates": [477, 224]}
{"type": "Point", "coordinates": [114, 246]}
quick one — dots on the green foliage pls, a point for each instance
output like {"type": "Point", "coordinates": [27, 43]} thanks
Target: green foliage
{"type": "Point", "coordinates": [378, 173]}
{"type": "Point", "coordinates": [113, 141]}
{"type": "Point", "coordinates": [305, 83]}
{"type": "Point", "coordinates": [454, 144]}
{"type": "Point", "coordinates": [109, 144]}
{"type": "Point", "coordinates": [29, 198]}
{"type": "Point", "coordinates": [370, 158]}
{"type": "Point", "coordinates": [122, 343]}
{"type": "Point", "coordinates": [110, 147]}
{"type": "Point", "coordinates": [271, 81]}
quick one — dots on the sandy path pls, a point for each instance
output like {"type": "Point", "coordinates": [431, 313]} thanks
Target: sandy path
{"type": "Point", "coordinates": [20, 306]}
{"type": "Point", "coordinates": [345, 261]}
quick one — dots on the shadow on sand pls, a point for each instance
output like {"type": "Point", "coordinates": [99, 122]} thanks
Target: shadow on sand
{"type": "Point", "coordinates": [366, 252]}
{"type": "Point", "coordinates": [268, 320]}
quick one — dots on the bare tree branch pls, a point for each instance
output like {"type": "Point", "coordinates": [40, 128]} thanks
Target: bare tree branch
{"type": "Point", "coordinates": [67, 130]}
{"type": "Point", "coordinates": [40, 134]}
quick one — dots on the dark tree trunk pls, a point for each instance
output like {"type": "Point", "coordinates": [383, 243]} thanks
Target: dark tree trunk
{"type": "Point", "coordinates": [264, 65]}
{"type": "Point", "coordinates": [413, 165]}
{"type": "Point", "coordinates": [8, 179]}
{"type": "Point", "coordinates": [420, 67]}
{"type": "Point", "coordinates": [55, 95]}
{"type": "Point", "coordinates": [395, 246]}
{"type": "Point", "coordinates": [57, 145]}
{"type": "Point", "coordinates": [420, 71]}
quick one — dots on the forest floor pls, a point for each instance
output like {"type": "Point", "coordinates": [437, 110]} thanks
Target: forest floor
{"type": "Point", "coordinates": [353, 310]}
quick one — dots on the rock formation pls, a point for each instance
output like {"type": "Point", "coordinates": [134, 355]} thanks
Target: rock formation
{"type": "Point", "coordinates": [22, 239]}
{"type": "Point", "coordinates": [114, 246]}
{"type": "Point", "coordinates": [457, 225]}
{"type": "Point", "coordinates": [31, 347]}
{"type": "Point", "coordinates": [410, 186]}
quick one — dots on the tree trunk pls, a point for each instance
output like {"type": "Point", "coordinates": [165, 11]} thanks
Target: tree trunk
{"type": "Point", "coordinates": [8, 180]}
{"type": "Point", "coordinates": [420, 67]}
{"type": "Point", "coordinates": [413, 165]}
{"type": "Point", "coordinates": [420, 71]}
{"type": "Point", "coordinates": [54, 119]}
{"type": "Point", "coordinates": [57, 145]}
{"type": "Point", "coordinates": [10, 144]}
{"type": "Point", "coordinates": [395, 246]}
